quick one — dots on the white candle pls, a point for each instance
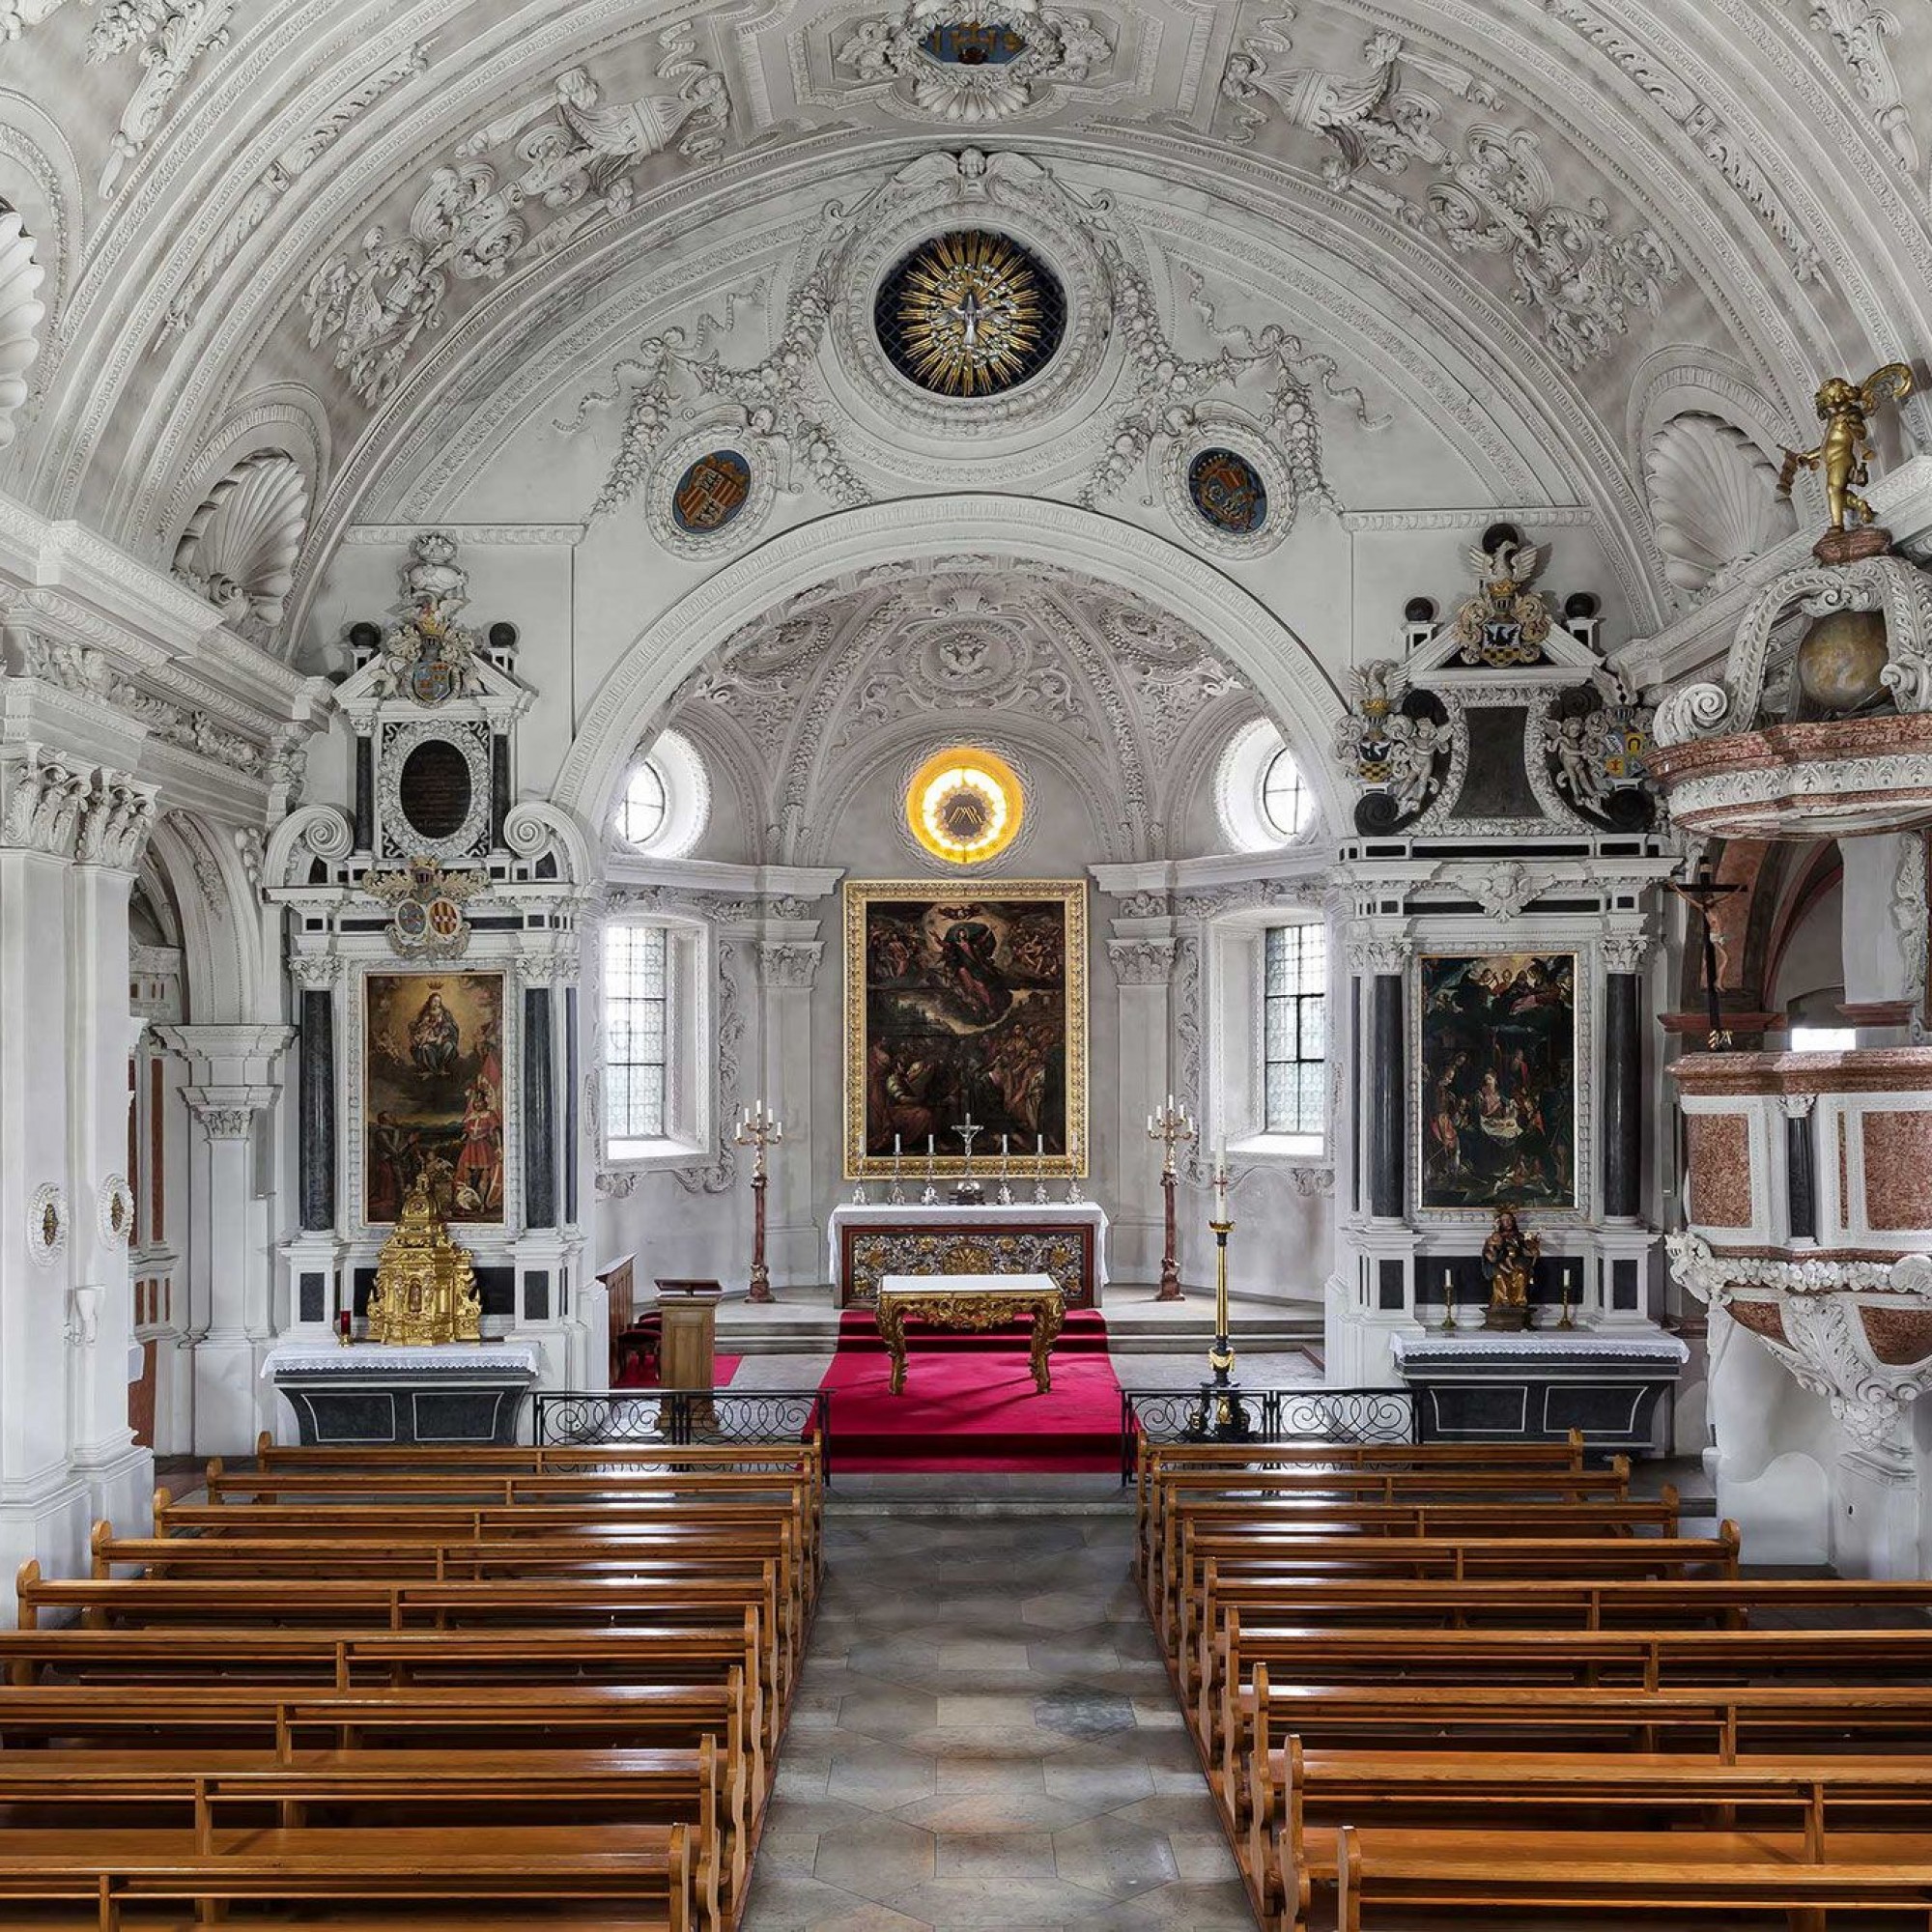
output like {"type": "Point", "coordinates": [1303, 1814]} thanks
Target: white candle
{"type": "Point", "coordinates": [928, 1147]}
{"type": "Point", "coordinates": [1039, 1146]}
{"type": "Point", "coordinates": [896, 1144]}
{"type": "Point", "coordinates": [1004, 1139]}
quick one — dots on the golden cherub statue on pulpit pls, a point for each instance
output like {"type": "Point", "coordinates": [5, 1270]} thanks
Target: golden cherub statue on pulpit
{"type": "Point", "coordinates": [425, 1283]}
{"type": "Point", "coordinates": [1844, 451]}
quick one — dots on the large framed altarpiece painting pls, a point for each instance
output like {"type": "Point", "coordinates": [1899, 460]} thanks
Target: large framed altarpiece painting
{"type": "Point", "coordinates": [966, 1002]}
{"type": "Point", "coordinates": [433, 1101]}
{"type": "Point", "coordinates": [1497, 1080]}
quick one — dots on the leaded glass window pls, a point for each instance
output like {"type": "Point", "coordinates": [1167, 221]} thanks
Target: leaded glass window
{"type": "Point", "coordinates": [1295, 1050]}
{"type": "Point", "coordinates": [636, 1032]}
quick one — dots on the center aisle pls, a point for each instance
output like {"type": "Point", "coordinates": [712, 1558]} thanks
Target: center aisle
{"type": "Point", "coordinates": [985, 1736]}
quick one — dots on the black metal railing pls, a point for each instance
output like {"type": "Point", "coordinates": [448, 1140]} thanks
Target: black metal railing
{"type": "Point", "coordinates": [591, 1419]}
{"type": "Point", "coordinates": [1311, 1414]}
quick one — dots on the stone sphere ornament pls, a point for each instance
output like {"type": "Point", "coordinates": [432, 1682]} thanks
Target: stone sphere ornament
{"type": "Point", "coordinates": [1841, 659]}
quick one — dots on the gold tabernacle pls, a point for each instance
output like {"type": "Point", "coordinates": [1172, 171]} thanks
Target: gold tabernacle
{"type": "Point", "coordinates": [977, 1308]}
{"type": "Point", "coordinates": [425, 1283]}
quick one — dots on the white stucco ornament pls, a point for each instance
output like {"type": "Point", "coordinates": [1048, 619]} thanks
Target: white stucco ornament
{"type": "Point", "coordinates": [47, 1224]}
{"type": "Point", "coordinates": [115, 1210]}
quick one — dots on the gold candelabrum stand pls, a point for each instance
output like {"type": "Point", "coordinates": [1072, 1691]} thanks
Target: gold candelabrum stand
{"type": "Point", "coordinates": [760, 1129]}
{"type": "Point", "coordinates": [1221, 1415]}
{"type": "Point", "coordinates": [425, 1284]}
{"type": "Point", "coordinates": [1170, 1129]}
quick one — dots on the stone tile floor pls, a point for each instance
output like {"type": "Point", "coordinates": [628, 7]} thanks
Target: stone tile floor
{"type": "Point", "coordinates": [984, 1737]}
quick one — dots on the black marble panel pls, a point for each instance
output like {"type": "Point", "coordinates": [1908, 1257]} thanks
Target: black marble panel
{"type": "Point", "coordinates": [1496, 784]}
{"type": "Point", "coordinates": [315, 1106]}
{"type": "Point", "coordinates": [1624, 1285]}
{"type": "Point", "coordinates": [1623, 1096]}
{"type": "Point", "coordinates": [499, 788]}
{"type": "Point", "coordinates": [405, 1412]}
{"type": "Point", "coordinates": [537, 1295]}
{"type": "Point", "coordinates": [1389, 1284]}
{"type": "Point", "coordinates": [1387, 1097]}
{"type": "Point", "coordinates": [312, 1298]}
{"type": "Point", "coordinates": [1801, 1174]}
{"type": "Point", "coordinates": [539, 1113]}
{"type": "Point", "coordinates": [570, 1124]}
{"type": "Point", "coordinates": [366, 795]}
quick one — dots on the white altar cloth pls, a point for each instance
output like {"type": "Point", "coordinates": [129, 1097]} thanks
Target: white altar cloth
{"type": "Point", "coordinates": [948, 1215]}
{"type": "Point", "coordinates": [963, 1284]}
{"type": "Point", "coordinates": [1561, 1347]}
{"type": "Point", "coordinates": [311, 1358]}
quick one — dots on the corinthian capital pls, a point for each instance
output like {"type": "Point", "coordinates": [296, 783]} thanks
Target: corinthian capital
{"type": "Point", "coordinates": [791, 962]}
{"type": "Point", "coordinates": [1372, 953]}
{"type": "Point", "coordinates": [1142, 962]}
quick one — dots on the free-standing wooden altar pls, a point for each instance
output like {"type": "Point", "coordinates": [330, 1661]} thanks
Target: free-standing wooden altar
{"type": "Point", "coordinates": [1065, 1240]}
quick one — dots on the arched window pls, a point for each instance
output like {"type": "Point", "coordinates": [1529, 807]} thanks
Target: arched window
{"type": "Point", "coordinates": [1261, 796]}
{"type": "Point", "coordinates": [640, 817]}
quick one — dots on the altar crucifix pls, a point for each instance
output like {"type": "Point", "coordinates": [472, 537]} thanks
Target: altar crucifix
{"type": "Point", "coordinates": [968, 1192]}
{"type": "Point", "coordinates": [1704, 893]}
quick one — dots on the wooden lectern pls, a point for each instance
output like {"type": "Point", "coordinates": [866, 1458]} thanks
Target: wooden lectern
{"type": "Point", "coordinates": [688, 1351]}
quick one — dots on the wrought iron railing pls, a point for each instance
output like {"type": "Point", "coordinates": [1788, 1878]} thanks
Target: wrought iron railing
{"type": "Point", "coordinates": [591, 1419]}
{"type": "Point", "coordinates": [1310, 1414]}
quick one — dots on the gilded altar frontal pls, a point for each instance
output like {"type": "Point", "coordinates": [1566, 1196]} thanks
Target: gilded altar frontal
{"type": "Point", "coordinates": [966, 1008]}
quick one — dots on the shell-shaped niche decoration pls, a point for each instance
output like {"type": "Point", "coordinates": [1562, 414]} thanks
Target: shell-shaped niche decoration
{"type": "Point", "coordinates": [1713, 501]}
{"type": "Point", "coordinates": [239, 548]}
{"type": "Point", "coordinates": [20, 315]}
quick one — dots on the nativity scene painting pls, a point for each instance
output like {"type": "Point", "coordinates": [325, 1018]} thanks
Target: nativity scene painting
{"type": "Point", "coordinates": [1498, 1080]}
{"type": "Point", "coordinates": [432, 1094]}
{"type": "Point", "coordinates": [964, 1012]}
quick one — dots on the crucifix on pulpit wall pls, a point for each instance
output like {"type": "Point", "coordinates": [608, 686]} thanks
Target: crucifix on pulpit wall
{"type": "Point", "coordinates": [1704, 893]}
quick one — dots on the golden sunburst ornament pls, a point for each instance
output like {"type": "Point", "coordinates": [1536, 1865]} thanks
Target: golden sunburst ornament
{"type": "Point", "coordinates": [970, 314]}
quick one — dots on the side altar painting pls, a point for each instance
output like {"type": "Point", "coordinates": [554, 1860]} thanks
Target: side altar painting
{"type": "Point", "coordinates": [1498, 1080]}
{"type": "Point", "coordinates": [432, 1094]}
{"type": "Point", "coordinates": [969, 1011]}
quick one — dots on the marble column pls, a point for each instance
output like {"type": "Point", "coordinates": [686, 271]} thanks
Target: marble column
{"type": "Point", "coordinates": [1623, 1096]}
{"type": "Point", "coordinates": [539, 1111]}
{"type": "Point", "coordinates": [1800, 1166]}
{"type": "Point", "coordinates": [547, 1252]}
{"type": "Point", "coordinates": [231, 1279]}
{"type": "Point", "coordinates": [313, 1252]}
{"type": "Point", "coordinates": [1144, 977]}
{"type": "Point", "coordinates": [787, 974]}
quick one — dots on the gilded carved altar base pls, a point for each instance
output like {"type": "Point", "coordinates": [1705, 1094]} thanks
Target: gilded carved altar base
{"type": "Point", "coordinates": [988, 1302]}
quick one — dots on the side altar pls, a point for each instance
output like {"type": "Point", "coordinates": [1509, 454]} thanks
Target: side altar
{"type": "Point", "coordinates": [1065, 1240]}
{"type": "Point", "coordinates": [376, 1394]}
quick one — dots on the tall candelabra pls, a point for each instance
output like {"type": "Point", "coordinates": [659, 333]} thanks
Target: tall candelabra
{"type": "Point", "coordinates": [1221, 1415]}
{"type": "Point", "coordinates": [760, 1129]}
{"type": "Point", "coordinates": [1171, 1128]}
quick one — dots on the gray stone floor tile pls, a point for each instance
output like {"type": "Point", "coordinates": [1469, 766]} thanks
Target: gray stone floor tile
{"type": "Point", "coordinates": [877, 1860]}
{"type": "Point", "coordinates": [948, 1902]}
{"type": "Point", "coordinates": [997, 1854]}
{"type": "Point", "coordinates": [1114, 1856]}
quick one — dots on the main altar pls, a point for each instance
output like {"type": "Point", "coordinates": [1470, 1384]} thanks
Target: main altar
{"type": "Point", "coordinates": [1065, 1240]}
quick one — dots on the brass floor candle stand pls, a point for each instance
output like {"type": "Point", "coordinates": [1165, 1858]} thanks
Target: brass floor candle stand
{"type": "Point", "coordinates": [760, 1129]}
{"type": "Point", "coordinates": [1222, 1414]}
{"type": "Point", "coordinates": [1169, 1127]}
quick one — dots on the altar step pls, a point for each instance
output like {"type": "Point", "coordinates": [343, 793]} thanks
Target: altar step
{"type": "Point", "coordinates": [805, 1322]}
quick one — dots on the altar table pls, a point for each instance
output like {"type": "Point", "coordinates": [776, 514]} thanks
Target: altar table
{"type": "Point", "coordinates": [1065, 1240]}
{"type": "Point", "coordinates": [970, 1301]}
{"type": "Point", "coordinates": [378, 1393]}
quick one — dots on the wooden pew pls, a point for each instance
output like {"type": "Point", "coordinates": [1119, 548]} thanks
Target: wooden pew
{"type": "Point", "coordinates": [1386, 1876]}
{"type": "Point", "coordinates": [69, 1791]}
{"type": "Point", "coordinates": [150, 1602]}
{"type": "Point", "coordinates": [1269, 1573]}
{"type": "Point", "coordinates": [1645, 1660]}
{"type": "Point", "coordinates": [1461, 1541]}
{"type": "Point", "coordinates": [636, 1876]}
{"type": "Point", "coordinates": [1162, 1484]}
{"type": "Point", "coordinates": [666, 1551]}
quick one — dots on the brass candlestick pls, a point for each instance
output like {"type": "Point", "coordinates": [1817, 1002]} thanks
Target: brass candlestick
{"type": "Point", "coordinates": [1221, 1415]}
{"type": "Point", "coordinates": [760, 1129]}
{"type": "Point", "coordinates": [1169, 1127]}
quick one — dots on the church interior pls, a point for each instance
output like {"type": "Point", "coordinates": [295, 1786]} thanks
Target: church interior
{"type": "Point", "coordinates": [963, 963]}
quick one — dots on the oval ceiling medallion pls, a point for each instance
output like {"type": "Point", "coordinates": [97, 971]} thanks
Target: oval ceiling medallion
{"type": "Point", "coordinates": [965, 806]}
{"type": "Point", "coordinates": [970, 314]}
{"type": "Point", "coordinates": [711, 492]}
{"type": "Point", "coordinates": [1228, 491]}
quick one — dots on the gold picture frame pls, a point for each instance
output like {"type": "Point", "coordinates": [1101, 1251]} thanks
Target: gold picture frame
{"type": "Point", "coordinates": [967, 998]}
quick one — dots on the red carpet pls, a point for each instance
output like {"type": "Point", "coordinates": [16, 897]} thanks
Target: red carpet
{"type": "Point", "coordinates": [969, 1401]}
{"type": "Point", "coordinates": [723, 1369]}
